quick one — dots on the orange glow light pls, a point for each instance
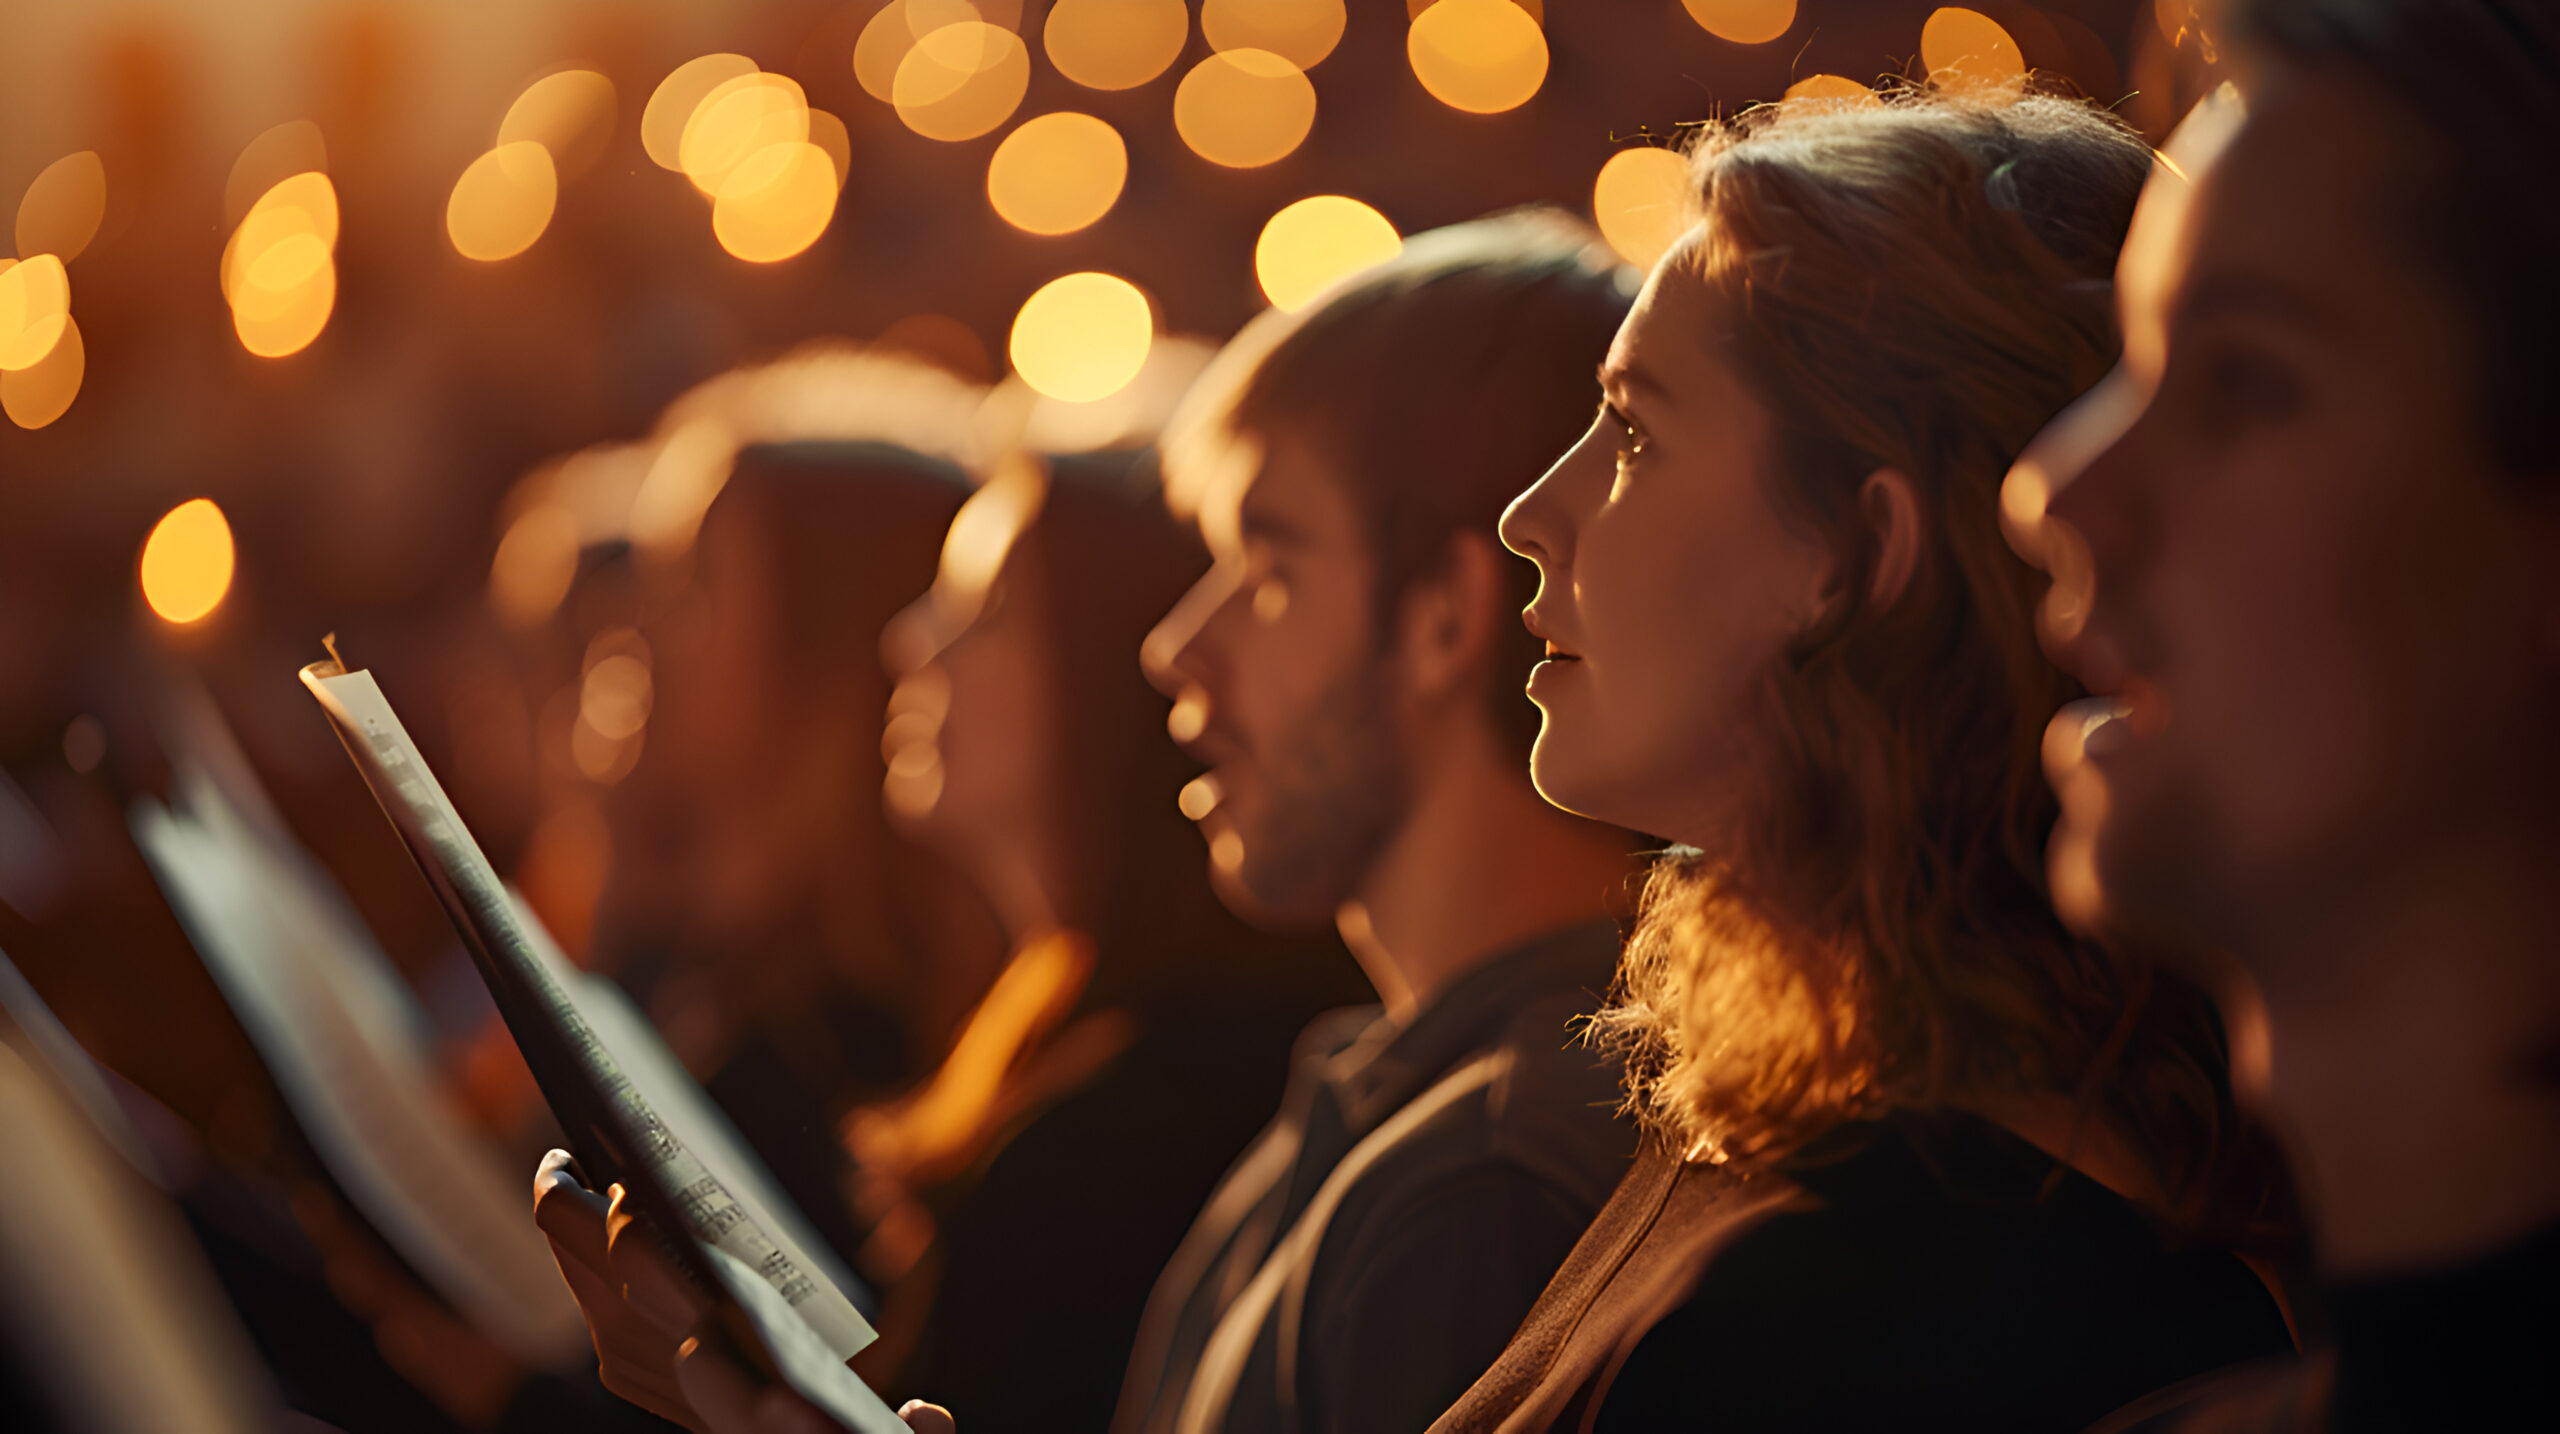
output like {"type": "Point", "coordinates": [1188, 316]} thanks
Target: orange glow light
{"type": "Point", "coordinates": [278, 271]}
{"type": "Point", "coordinates": [1309, 246]}
{"type": "Point", "coordinates": [502, 202]}
{"type": "Point", "coordinates": [828, 133]}
{"type": "Point", "coordinates": [1965, 48]}
{"type": "Point", "coordinates": [42, 392]}
{"type": "Point", "coordinates": [35, 310]}
{"type": "Point", "coordinates": [1082, 337]}
{"type": "Point", "coordinates": [1243, 108]}
{"type": "Point", "coordinates": [61, 210]}
{"type": "Point", "coordinates": [1744, 22]}
{"type": "Point", "coordinates": [187, 561]}
{"type": "Point", "coordinates": [738, 118]}
{"type": "Point", "coordinates": [671, 105]}
{"type": "Point", "coordinates": [291, 148]}
{"type": "Point", "coordinates": [777, 203]}
{"type": "Point", "coordinates": [1481, 56]}
{"type": "Point", "coordinates": [1641, 201]}
{"type": "Point", "coordinates": [1115, 44]}
{"type": "Point", "coordinates": [1302, 32]}
{"type": "Point", "coordinates": [962, 80]}
{"type": "Point", "coordinates": [569, 113]}
{"type": "Point", "coordinates": [1057, 173]}
{"type": "Point", "coordinates": [536, 562]}
{"type": "Point", "coordinates": [1832, 87]}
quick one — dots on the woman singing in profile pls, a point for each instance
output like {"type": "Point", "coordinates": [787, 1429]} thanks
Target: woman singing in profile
{"type": "Point", "coordinates": [1920, 1158]}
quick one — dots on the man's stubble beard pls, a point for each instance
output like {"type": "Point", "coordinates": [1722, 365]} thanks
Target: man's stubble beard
{"type": "Point", "coordinates": [1338, 791]}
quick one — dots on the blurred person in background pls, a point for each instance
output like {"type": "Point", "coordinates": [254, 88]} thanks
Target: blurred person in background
{"type": "Point", "coordinates": [1137, 1029]}
{"type": "Point", "coordinates": [2307, 550]}
{"type": "Point", "coordinates": [1351, 667]}
{"type": "Point", "coordinates": [1918, 1156]}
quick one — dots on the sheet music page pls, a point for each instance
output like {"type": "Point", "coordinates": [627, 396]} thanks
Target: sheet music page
{"type": "Point", "coordinates": [562, 1042]}
{"type": "Point", "coordinates": [356, 1084]}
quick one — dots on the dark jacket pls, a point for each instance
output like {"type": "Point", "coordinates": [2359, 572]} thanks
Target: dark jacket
{"type": "Point", "coordinates": [1922, 1271]}
{"type": "Point", "coordinates": [1375, 1247]}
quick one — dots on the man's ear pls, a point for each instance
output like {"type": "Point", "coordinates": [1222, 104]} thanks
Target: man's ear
{"type": "Point", "coordinates": [1891, 506]}
{"type": "Point", "coordinates": [1448, 621]}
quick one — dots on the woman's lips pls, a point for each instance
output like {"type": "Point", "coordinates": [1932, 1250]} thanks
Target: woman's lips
{"type": "Point", "coordinates": [1558, 654]}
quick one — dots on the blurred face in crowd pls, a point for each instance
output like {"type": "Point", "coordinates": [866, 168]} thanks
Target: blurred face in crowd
{"type": "Point", "coordinates": [1666, 579]}
{"type": "Point", "coordinates": [1281, 685]}
{"type": "Point", "coordinates": [2320, 617]}
{"type": "Point", "coordinates": [972, 742]}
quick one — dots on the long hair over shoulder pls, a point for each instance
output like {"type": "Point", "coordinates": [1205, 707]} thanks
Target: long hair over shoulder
{"type": "Point", "coordinates": [1919, 286]}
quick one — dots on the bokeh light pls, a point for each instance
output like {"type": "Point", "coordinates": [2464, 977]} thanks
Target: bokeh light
{"type": "Point", "coordinates": [671, 105]}
{"type": "Point", "coordinates": [1966, 48]}
{"type": "Point", "coordinates": [502, 202]}
{"type": "Point", "coordinates": [62, 207]}
{"type": "Point", "coordinates": [536, 562]}
{"type": "Point", "coordinates": [279, 270]}
{"type": "Point", "coordinates": [777, 203]}
{"type": "Point", "coordinates": [962, 80]}
{"type": "Point", "coordinates": [569, 114]}
{"type": "Point", "coordinates": [828, 133]}
{"type": "Point", "coordinates": [1832, 87]}
{"type": "Point", "coordinates": [614, 698]}
{"type": "Point", "coordinates": [186, 562]}
{"type": "Point", "coordinates": [1744, 22]}
{"type": "Point", "coordinates": [1481, 56]}
{"type": "Point", "coordinates": [35, 309]}
{"type": "Point", "coordinates": [1115, 44]}
{"type": "Point", "coordinates": [42, 392]}
{"type": "Point", "coordinates": [1082, 337]}
{"type": "Point", "coordinates": [1057, 173]}
{"type": "Point", "coordinates": [1311, 244]}
{"type": "Point", "coordinates": [1302, 32]}
{"type": "Point", "coordinates": [1243, 108]}
{"type": "Point", "coordinates": [1641, 202]}
{"type": "Point", "coordinates": [740, 117]}
{"type": "Point", "coordinates": [294, 147]}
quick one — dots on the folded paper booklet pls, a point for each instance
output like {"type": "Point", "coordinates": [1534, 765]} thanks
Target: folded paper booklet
{"type": "Point", "coordinates": [766, 1293]}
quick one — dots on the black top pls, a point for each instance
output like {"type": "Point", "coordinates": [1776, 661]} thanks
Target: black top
{"type": "Point", "coordinates": [1952, 1276]}
{"type": "Point", "coordinates": [2477, 1347]}
{"type": "Point", "coordinates": [1373, 1251]}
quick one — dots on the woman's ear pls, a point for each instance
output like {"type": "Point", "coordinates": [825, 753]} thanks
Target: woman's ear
{"type": "Point", "coordinates": [1892, 508]}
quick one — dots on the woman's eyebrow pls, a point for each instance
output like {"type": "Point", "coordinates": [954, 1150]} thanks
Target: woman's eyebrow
{"type": "Point", "coordinates": [1631, 378]}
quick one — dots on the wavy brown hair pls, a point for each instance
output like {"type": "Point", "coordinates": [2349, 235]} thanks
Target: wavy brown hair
{"type": "Point", "coordinates": [1919, 286]}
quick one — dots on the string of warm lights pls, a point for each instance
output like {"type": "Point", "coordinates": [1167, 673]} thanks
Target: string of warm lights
{"type": "Point", "coordinates": [773, 168]}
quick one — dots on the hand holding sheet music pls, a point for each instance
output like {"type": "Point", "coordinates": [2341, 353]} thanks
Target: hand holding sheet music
{"type": "Point", "coordinates": [761, 1294]}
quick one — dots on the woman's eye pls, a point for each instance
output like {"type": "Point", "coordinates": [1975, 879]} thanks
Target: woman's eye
{"type": "Point", "coordinates": [1630, 437]}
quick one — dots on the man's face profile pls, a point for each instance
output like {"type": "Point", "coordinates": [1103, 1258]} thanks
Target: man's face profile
{"type": "Point", "coordinates": [2285, 555]}
{"type": "Point", "coordinates": [1280, 686]}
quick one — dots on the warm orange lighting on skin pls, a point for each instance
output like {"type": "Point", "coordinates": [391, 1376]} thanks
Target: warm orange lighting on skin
{"type": "Point", "coordinates": [502, 202]}
{"type": "Point", "coordinates": [1744, 22]}
{"type": "Point", "coordinates": [186, 562]}
{"type": "Point", "coordinates": [1964, 48]}
{"type": "Point", "coordinates": [777, 203]}
{"type": "Point", "coordinates": [569, 113]}
{"type": "Point", "coordinates": [1115, 44]}
{"type": "Point", "coordinates": [1057, 173]}
{"type": "Point", "coordinates": [291, 148]}
{"type": "Point", "coordinates": [671, 105]}
{"type": "Point", "coordinates": [1243, 108]}
{"type": "Point", "coordinates": [962, 80]}
{"type": "Point", "coordinates": [61, 210]}
{"type": "Point", "coordinates": [1302, 32]}
{"type": "Point", "coordinates": [1082, 337]}
{"type": "Point", "coordinates": [1832, 87]}
{"type": "Point", "coordinates": [35, 310]}
{"type": "Point", "coordinates": [1481, 56]}
{"type": "Point", "coordinates": [278, 271]}
{"type": "Point", "coordinates": [42, 392]}
{"type": "Point", "coordinates": [1309, 246]}
{"type": "Point", "coordinates": [1641, 202]}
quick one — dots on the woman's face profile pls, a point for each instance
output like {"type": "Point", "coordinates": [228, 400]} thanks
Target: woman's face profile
{"type": "Point", "coordinates": [1667, 580]}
